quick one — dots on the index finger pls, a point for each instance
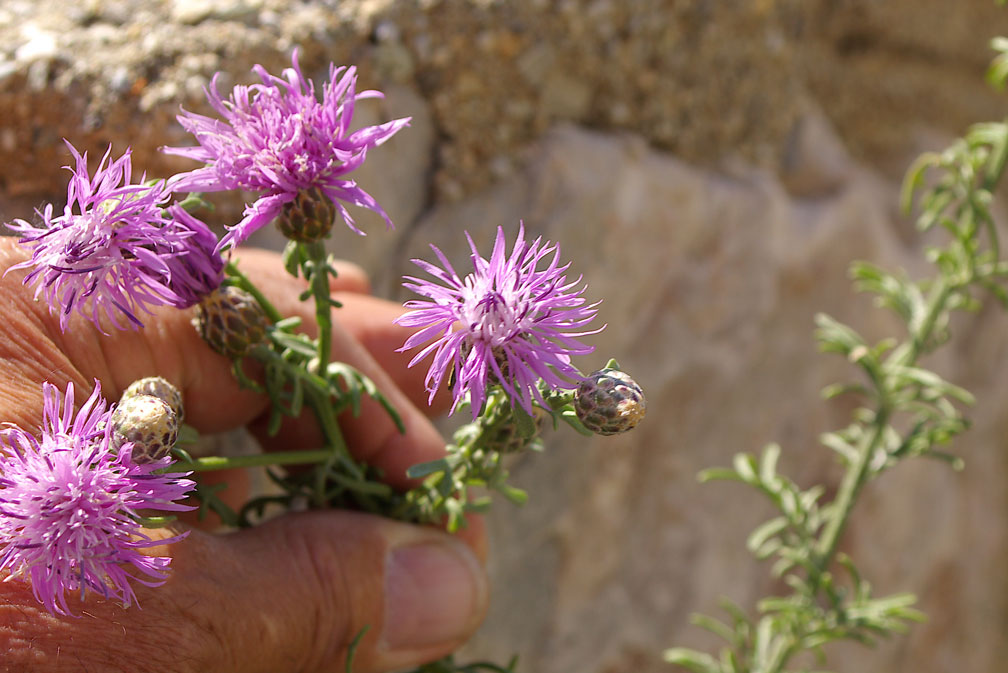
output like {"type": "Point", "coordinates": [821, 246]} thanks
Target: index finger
{"type": "Point", "coordinates": [33, 348]}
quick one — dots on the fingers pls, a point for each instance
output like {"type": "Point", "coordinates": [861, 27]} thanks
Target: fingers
{"type": "Point", "coordinates": [349, 276]}
{"type": "Point", "coordinates": [288, 596]}
{"type": "Point", "coordinates": [38, 350]}
{"type": "Point", "coordinates": [370, 321]}
{"type": "Point", "coordinates": [372, 435]}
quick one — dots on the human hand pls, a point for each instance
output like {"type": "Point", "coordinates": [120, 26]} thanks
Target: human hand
{"type": "Point", "coordinates": [291, 594]}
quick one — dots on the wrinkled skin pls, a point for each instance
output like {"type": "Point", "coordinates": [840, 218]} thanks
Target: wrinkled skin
{"type": "Point", "coordinates": [285, 597]}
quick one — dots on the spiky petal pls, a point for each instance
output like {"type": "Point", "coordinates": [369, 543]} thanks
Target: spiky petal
{"type": "Point", "coordinates": [115, 251]}
{"type": "Point", "coordinates": [518, 319]}
{"type": "Point", "coordinates": [276, 138]}
{"type": "Point", "coordinates": [69, 505]}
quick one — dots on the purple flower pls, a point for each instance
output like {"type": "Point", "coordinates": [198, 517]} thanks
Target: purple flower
{"type": "Point", "coordinates": [198, 269]}
{"type": "Point", "coordinates": [279, 140]}
{"type": "Point", "coordinates": [508, 321]}
{"type": "Point", "coordinates": [69, 505]}
{"type": "Point", "coordinates": [115, 250]}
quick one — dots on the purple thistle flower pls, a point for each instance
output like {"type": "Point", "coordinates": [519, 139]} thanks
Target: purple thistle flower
{"type": "Point", "coordinates": [507, 321]}
{"type": "Point", "coordinates": [69, 505]}
{"type": "Point", "coordinates": [115, 250]}
{"type": "Point", "coordinates": [198, 269]}
{"type": "Point", "coordinates": [279, 140]}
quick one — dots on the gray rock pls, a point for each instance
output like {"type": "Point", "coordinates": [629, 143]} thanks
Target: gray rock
{"type": "Point", "coordinates": [710, 283]}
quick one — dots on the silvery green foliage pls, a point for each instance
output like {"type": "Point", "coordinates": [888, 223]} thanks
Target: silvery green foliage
{"type": "Point", "coordinates": [906, 411]}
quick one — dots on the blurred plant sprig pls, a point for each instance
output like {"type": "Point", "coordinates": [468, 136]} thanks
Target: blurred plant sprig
{"type": "Point", "coordinates": [907, 411]}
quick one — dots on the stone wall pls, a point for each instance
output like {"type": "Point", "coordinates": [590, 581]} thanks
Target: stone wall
{"type": "Point", "coordinates": [712, 168]}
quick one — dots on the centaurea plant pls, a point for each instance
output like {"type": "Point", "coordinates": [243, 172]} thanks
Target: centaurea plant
{"type": "Point", "coordinates": [279, 140]}
{"type": "Point", "coordinates": [907, 411]}
{"type": "Point", "coordinates": [520, 324]}
{"type": "Point", "coordinates": [118, 249]}
{"type": "Point", "coordinates": [70, 504]}
{"type": "Point", "coordinates": [503, 338]}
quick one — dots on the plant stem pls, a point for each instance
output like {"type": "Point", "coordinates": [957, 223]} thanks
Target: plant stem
{"type": "Point", "coordinates": [858, 471]}
{"type": "Point", "coordinates": [317, 271]}
{"type": "Point", "coordinates": [244, 283]}
{"type": "Point", "coordinates": [937, 300]}
{"type": "Point", "coordinates": [211, 463]}
{"type": "Point", "coordinates": [850, 487]}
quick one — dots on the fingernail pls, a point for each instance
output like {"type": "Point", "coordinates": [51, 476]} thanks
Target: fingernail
{"type": "Point", "coordinates": [435, 593]}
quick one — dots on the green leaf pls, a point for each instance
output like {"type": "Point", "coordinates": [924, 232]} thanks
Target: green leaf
{"type": "Point", "coordinates": [194, 202]}
{"type": "Point", "coordinates": [298, 343]}
{"type": "Point", "coordinates": [715, 626]}
{"type": "Point", "coordinates": [421, 470]}
{"type": "Point", "coordinates": [570, 417]}
{"type": "Point", "coordinates": [835, 441]}
{"type": "Point", "coordinates": [297, 398]}
{"type": "Point", "coordinates": [930, 380]}
{"type": "Point", "coordinates": [187, 434]}
{"type": "Point", "coordinates": [155, 521]}
{"type": "Point", "coordinates": [181, 454]}
{"type": "Point", "coordinates": [837, 389]}
{"type": "Point", "coordinates": [352, 648]}
{"type": "Point", "coordinates": [293, 257]}
{"type": "Point", "coordinates": [758, 539]}
{"type": "Point", "coordinates": [515, 495]}
{"type": "Point", "coordinates": [719, 474]}
{"type": "Point", "coordinates": [768, 463]}
{"type": "Point", "coordinates": [698, 662]}
{"type": "Point", "coordinates": [745, 467]}
{"type": "Point", "coordinates": [955, 462]}
{"type": "Point", "coordinates": [914, 179]}
{"type": "Point", "coordinates": [523, 422]}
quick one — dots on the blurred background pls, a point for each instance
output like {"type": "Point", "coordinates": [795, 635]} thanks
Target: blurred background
{"type": "Point", "coordinates": [711, 168]}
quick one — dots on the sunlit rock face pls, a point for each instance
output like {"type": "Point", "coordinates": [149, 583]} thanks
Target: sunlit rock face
{"type": "Point", "coordinates": [711, 169]}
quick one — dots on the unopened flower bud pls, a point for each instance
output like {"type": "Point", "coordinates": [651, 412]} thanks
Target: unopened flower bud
{"type": "Point", "coordinates": [509, 439]}
{"type": "Point", "coordinates": [609, 402]}
{"type": "Point", "coordinates": [149, 423]}
{"type": "Point", "coordinates": [160, 388]}
{"type": "Point", "coordinates": [231, 321]}
{"type": "Point", "coordinates": [309, 217]}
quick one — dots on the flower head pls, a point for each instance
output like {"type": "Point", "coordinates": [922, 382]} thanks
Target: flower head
{"type": "Point", "coordinates": [197, 269]}
{"type": "Point", "coordinates": [609, 402]}
{"type": "Point", "coordinates": [69, 505]}
{"type": "Point", "coordinates": [509, 322]}
{"type": "Point", "coordinates": [115, 250]}
{"type": "Point", "coordinates": [278, 139]}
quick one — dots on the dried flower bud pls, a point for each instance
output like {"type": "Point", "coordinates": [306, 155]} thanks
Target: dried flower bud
{"type": "Point", "coordinates": [231, 321]}
{"type": "Point", "coordinates": [149, 423]}
{"type": "Point", "coordinates": [309, 217]}
{"type": "Point", "coordinates": [609, 402]}
{"type": "Point", "coordinates": [160, 388]}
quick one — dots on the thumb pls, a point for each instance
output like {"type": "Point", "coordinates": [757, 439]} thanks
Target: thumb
{"type": "Point", "coordinates": [302, 587]}
{"type": "Point", "coordinates": [289, 596]}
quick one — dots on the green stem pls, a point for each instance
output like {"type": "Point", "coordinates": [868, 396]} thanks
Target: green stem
{"type": "Point", "coordinates": [316, 269]}
{"type": "Point", "coordinates": [850, 487]}
{"type": "Point", "coordinates": [858, 472]}
{"type": "Point", "coordinates": [996, 166]}
{"type": "Point", "coordinates": [939, 295]}
{"type": "Point", "coordinates": [211, 463]}
{"type": "Point", "coordinates": [244, 283]}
